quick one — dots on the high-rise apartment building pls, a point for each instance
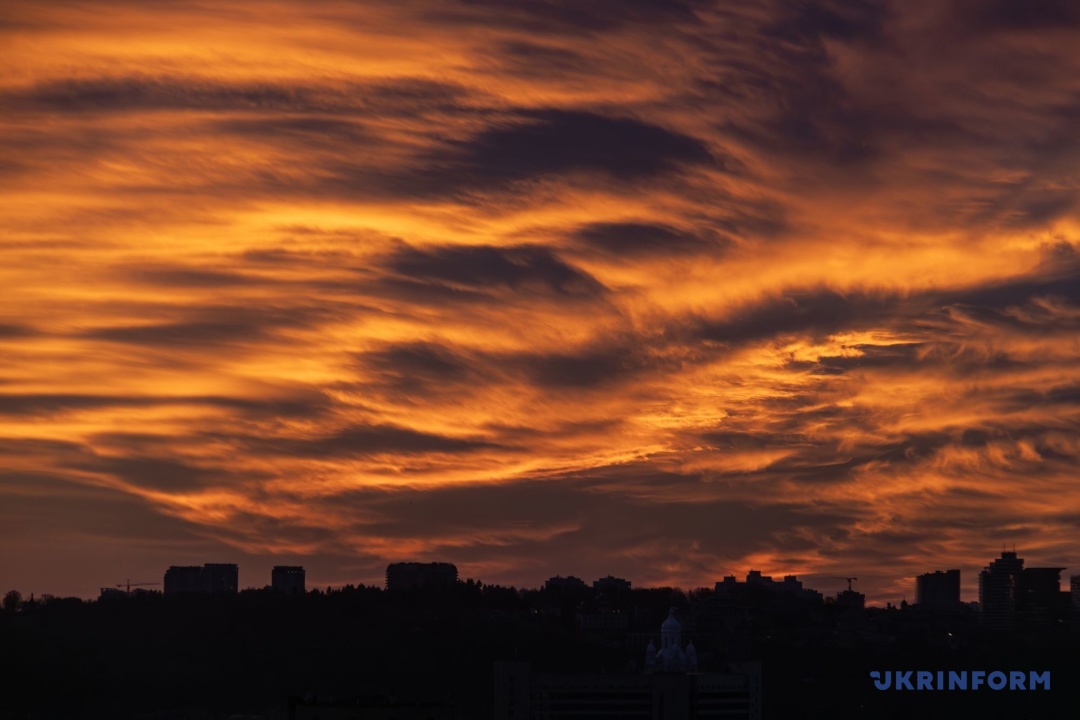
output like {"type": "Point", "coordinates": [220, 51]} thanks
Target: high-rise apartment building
{"type": "Point", "coordinates": [938, 591]}
{"type": "Point", "coordinates": [288, 579]}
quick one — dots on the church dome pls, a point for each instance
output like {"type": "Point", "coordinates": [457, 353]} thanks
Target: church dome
{"type": "Point", "coordinates": [670, 632]}
{"type": "Point", "coordinates": [671, 625]}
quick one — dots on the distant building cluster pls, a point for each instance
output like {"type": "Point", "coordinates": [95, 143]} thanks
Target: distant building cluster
{"type": "Point", "coordinates": [604, 584]}
{"type": "Point", "coordinates": [609, 583]}
{"type": "Point", "coordinates": [790, 585]}
{"type": "Point", "coordinates": [1010, 593]}
{"type": "Point", "coordinates": [564, 583]}
{"type": "Point", "coordinates": [414, 575]}
{"type": "Point", "coordinates": [209, 579]}
{"type": "Point", "coordinates": [224, 579]}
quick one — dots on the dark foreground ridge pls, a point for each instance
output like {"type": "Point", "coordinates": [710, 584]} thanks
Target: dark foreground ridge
{"type": "Point", "coordinates": [454, 649]}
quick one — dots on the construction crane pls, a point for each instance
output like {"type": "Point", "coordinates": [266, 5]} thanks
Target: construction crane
{"type": "Point", "coordinates": [848, 581]}
{"type": "Point", "coordinates": [128, 585]}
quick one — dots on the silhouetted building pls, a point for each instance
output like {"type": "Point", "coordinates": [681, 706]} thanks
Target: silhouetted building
{"type": "Point", "coordinates": [792, 584]}
{"type": "Point", "coordinates": [1009, 594]}
{"type": "Point", "coordinates": [938, 591]}
{"type": "Point", "coordinates": [754, 577]}
{"type": "Point", "coordinates": [1039, 600]}
{"type": "Point", "coordinates": [564, 583]}
{"type": "Point", "coordinates": [112, 594]}
{"type": "Point", "coordinates": [288, 579]}
{"type": "Point", "coordinates": [611, 583]}
{"type": "Point", "coordinates": [1074, 587]}
{"type": "Point", "coordinates": [850, 600]}
{"type": "Point", "coordinates": [997, 591]}
{"type": "Point", "coordinates": [756, 582]}
{"type": "Point", "coordinates": [209, 579]}
{"type": "Point", "coordinates": [184, 580]}
{"type": "Point", "coordinates": [412, 575]}
{"type": "Point", "coordinates": [221, 578]}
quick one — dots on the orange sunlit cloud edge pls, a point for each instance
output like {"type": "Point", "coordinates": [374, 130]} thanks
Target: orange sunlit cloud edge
{"type": "Point", "coordinates": [668, 290]}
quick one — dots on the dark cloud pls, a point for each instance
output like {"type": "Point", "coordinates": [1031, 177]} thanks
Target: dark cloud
{"type": "Point", "coordinates": [1043, 206]}
{"type": "Point", "coordinates": [225, 325]}
{"type": "Point", "coordinates": [521, 268]}
{"type": "Point", "coordinates": [733, 440]}
{"type": "Point", "coordinates": [593, 523]}
{"type": "Point", "coordinates": [416, 293]}
{"type": "Point", "coordinates": [366, 441]}
{"type": "Point", "coordinates": [1005, 15]}
{"type": "Point", "coordinates": [559, 141]}
{"type": "Point", "coordinates": [636, 239]}
{"type": "Point", "coordinates": [566, 17]}
{"type": "Point", "coordinates": [422, 371]}
{"type": "Point", "coordinates": [846, 20]}
{"type": "Point", "coordinates": [418, 362]}
{"type": "Point", "coordinates": [936, 354]}
{"type": "Point", "coordinates": [535, 144]}
{"type": "Point", "coordinates": [394, 97]}
{"type": "Point", "coordinates": [154, 473]}
{"type": "Point", "coordinates": [18, 446]}
{"type": "Point", "coordinates": [591, 367]}
{"type": "Point", "coordinates": [900, 355]}
{"type": "Point", "coordinates": [1016, 304]}
{"type": "Point", "coordinates": [307, 404]}
{"type": "Point", "coordinates": [47, 505]}
{"type": "Point", "coordinates": [180, 333]}
{"type": "Point", "coordinates": [817, 312]}
{"type": "Point", "coordinates": [810, 312]}
{"type": "Point", "coordinates": [158, 93]}
{"type": "Point", "coordinates": [1019, 400]}
{"type": "Point", "coordinates": [604, 363]}
{"type": "Point", "coordinates": [532, 60]}
{"type": "Point", "coordinates": [800, 110]}
{"type": "Point", "coordinates": [8, 330]}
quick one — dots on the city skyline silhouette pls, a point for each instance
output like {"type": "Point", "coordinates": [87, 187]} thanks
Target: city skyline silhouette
{"type": "Point", "coordinates": [435, 646]}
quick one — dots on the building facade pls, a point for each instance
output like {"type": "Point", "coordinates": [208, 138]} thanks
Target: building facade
{"type": "Point", "coordinates": [184, 580]}
{"type": "Point", "coordinates": [1010, 594]}
{"type": "Point", "coordinates": [221, 578]}
{"type": "Point", "coordinates": [288, 580]}
{"type": "Point", "coordinates": [997, 591]}
{"type": "Point", "coordinates": [611, 584]}
{"type": "Point", "coordinates": [938, 591]}
{"type": "Point", "coordinates": [209, 579]}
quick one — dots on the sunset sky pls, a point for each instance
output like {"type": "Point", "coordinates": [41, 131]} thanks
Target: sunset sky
{"type": "Point", "coordinates": [664, 290]}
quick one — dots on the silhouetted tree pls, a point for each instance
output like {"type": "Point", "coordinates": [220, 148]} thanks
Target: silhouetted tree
{"type": "Point", "coordinates": [12, 600]}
